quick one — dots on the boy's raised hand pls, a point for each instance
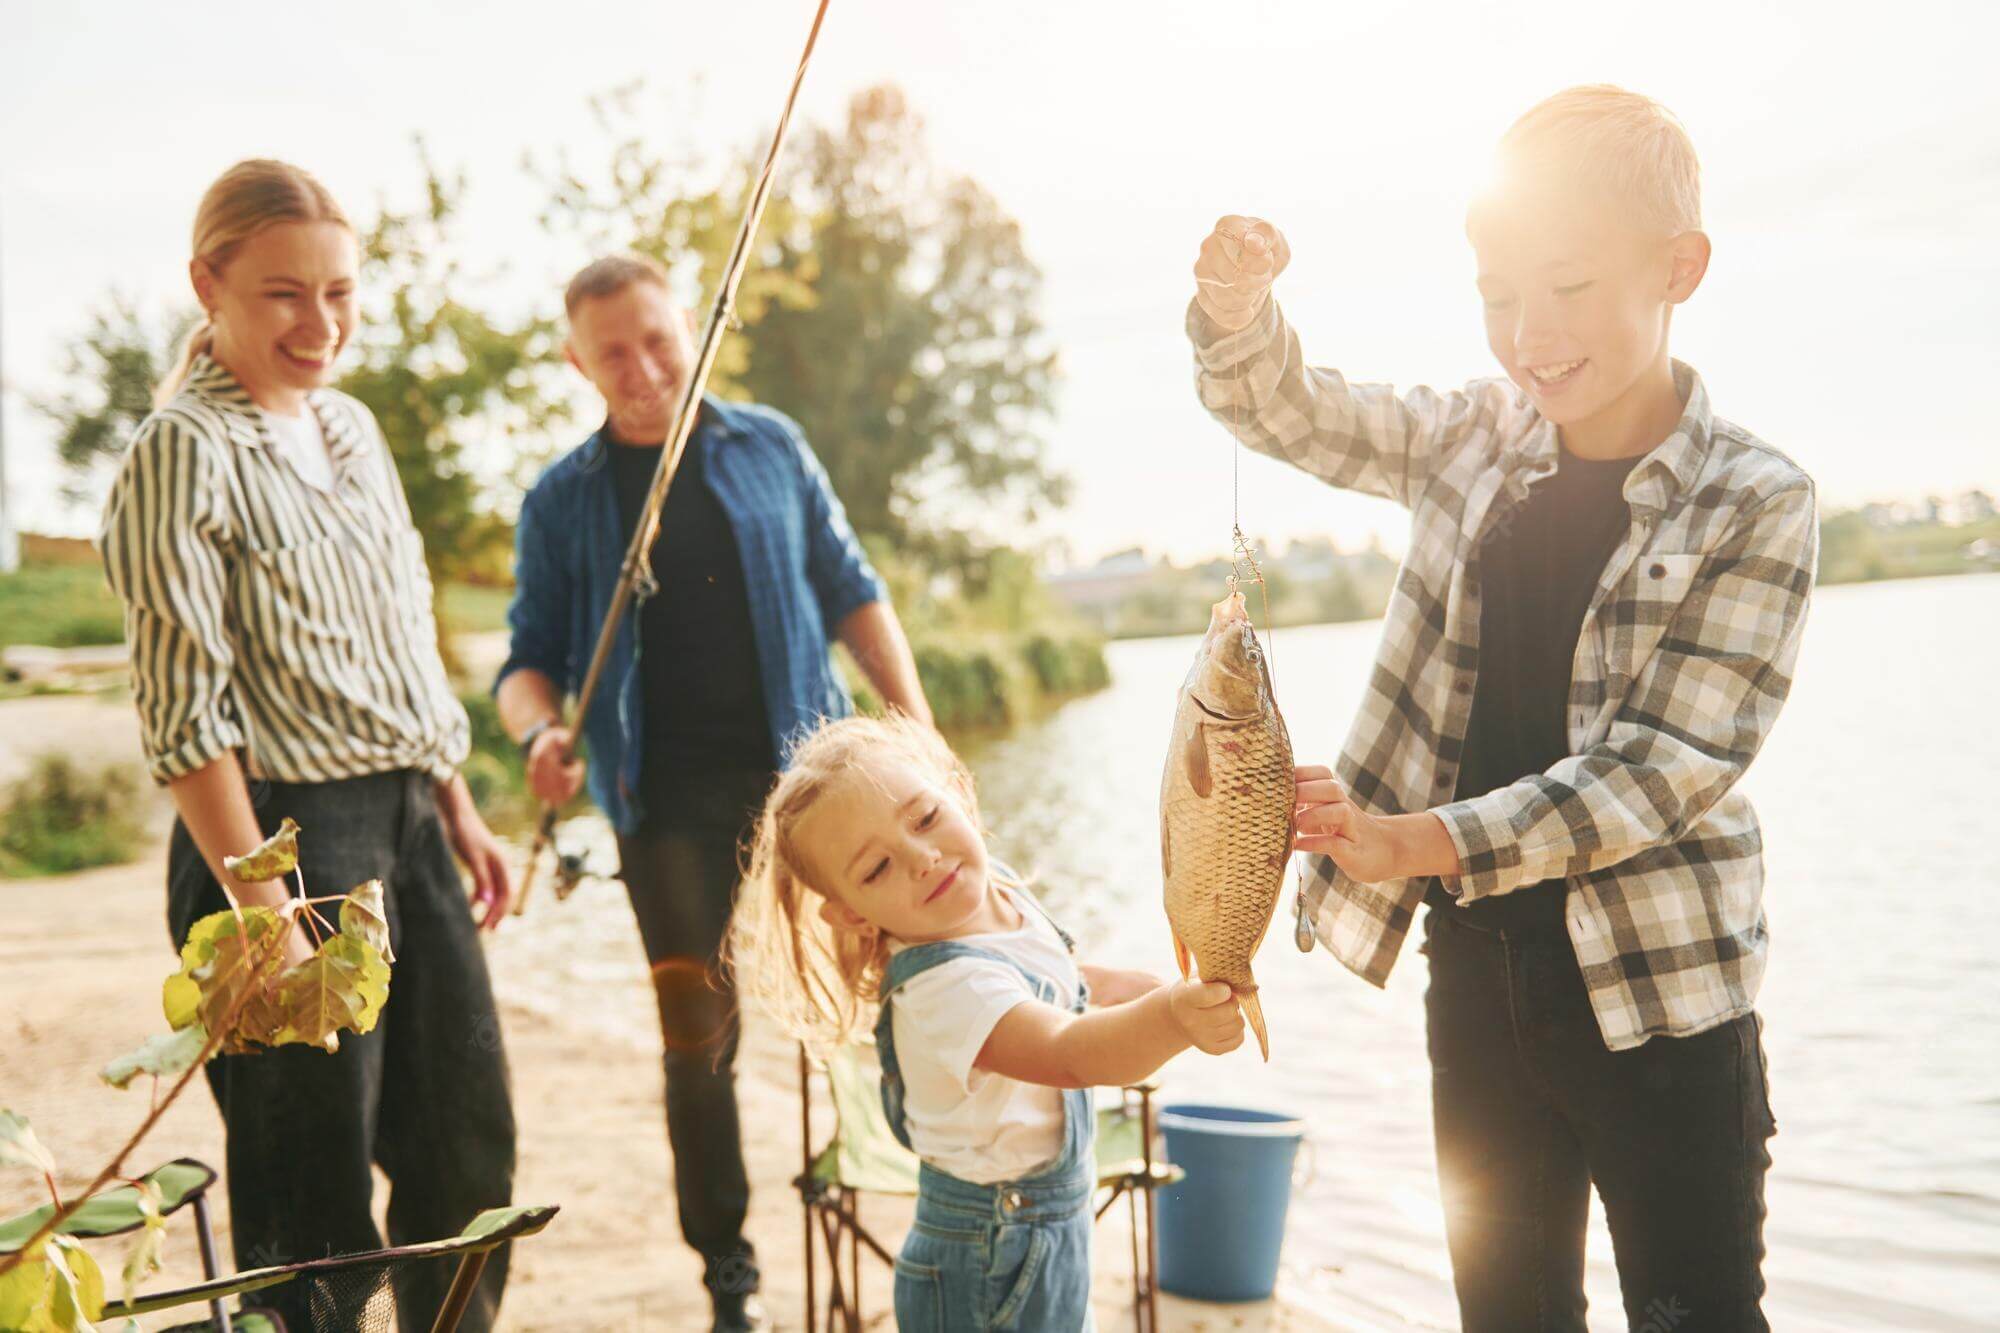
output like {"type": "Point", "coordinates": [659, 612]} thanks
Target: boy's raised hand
{"type": "Point", "coordinates": [1238, 262]}
{"type": "Point", "coordinates": [1208, 1013]}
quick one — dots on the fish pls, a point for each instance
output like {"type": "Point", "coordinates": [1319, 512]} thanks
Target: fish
{"type": "Point", "coordinates": [1227, 810]}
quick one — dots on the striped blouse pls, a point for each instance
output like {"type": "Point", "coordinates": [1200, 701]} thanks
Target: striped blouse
{"type": "Point", "coordinates": [268, 616]}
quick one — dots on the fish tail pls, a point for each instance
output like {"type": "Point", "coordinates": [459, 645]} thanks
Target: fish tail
{"type": "Point", "coordinates": [1254, 1012]}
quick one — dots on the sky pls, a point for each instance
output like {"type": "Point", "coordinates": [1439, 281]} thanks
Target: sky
{"type": "Point", "coordinates": [1851, 187]}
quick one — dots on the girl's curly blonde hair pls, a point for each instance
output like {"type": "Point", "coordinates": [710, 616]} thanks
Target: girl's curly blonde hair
{"type": "Point", "coordinates": [822, 984]}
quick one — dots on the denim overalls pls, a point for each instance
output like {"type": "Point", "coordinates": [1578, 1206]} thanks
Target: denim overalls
{"type": "Point", "coordinates": [1012, 1255]}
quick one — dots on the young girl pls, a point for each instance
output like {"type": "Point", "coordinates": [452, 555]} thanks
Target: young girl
{"type": "Point", "coordinates": [870, 883]}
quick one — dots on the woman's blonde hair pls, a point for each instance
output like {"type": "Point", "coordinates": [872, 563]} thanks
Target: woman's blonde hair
{"type": "Point", "coordinates": [819, 983]}
{"type": "Point", "coordinates": [244, 200]}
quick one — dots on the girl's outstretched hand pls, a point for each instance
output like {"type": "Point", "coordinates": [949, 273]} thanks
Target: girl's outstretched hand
{"type": "Point", "coordinates": [1208, 1013]}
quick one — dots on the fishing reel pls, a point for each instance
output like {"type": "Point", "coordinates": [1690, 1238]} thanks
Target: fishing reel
{"type": "Point", "coordinates": [572, 868]}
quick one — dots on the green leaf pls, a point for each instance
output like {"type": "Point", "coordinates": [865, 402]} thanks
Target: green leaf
{"type": "Point", "coordinates": [143, 1259]}
{"type": "Point", "coordinates": [492, 1220]}
{"type": "Point", "coordinates": [163, 1055]}
{"type": "Point", "coordinates": [277, 857]}
{"type": "Point", "coordinates": [363, 916]}
{"type": "Point", "coordinates": [20, 1147]}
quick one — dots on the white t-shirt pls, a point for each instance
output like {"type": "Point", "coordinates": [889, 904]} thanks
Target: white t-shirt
{"type": "Point", "coordinates": [970, 1123]}
{"type": "Point", "coordinates": [302, 443]}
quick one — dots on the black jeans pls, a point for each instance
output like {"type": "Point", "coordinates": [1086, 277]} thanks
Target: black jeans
{"type": "Point", "coordinates": [680, 871]}
{"type": "Point", "coordinates": [424, 1096]}
{"type": "Point", "coordinates": [1531, 1110]}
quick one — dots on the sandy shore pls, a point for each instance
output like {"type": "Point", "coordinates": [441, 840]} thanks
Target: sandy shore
{"type": "Point", "coordinates": [81, 959]}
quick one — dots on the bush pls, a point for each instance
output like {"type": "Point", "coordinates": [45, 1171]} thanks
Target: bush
{"type": "Point", "coordinates": [61, 818]}
{"type": "Point", "coordinates": [1067, 666]}
{"type": "Point", "coordinates": [994, 680]}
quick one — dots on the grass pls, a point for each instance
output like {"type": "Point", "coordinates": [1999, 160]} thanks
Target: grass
{"type": "Point", "coordinates": [59, 606]}
{"type": "Point", "coordinates": [70, 605]}
{"type": "Point", "coordinates": [62, 818]}
{"type": "Point", "coordinates": [467, 609]}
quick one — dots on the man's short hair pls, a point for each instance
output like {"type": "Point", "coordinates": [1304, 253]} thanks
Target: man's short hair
{"type": "Point", "coordinates": [610, 275]}
{"type": "Point", "coordinates": [1612, 142]}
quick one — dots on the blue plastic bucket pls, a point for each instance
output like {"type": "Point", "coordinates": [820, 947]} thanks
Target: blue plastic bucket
{"type": "Point", "coordinates": [1222, 1227]}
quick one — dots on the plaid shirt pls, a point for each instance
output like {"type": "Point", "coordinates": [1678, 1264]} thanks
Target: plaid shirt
{"type": "Point", "coordinates": [1685, 657]}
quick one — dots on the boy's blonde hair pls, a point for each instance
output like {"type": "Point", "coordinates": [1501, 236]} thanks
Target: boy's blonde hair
{"type": "Point", "coordinates": [250, 196]}
{"type": "Point", "coordinates": [821, 984]}
{"type": "Point", "coordinates": [1614, 142]}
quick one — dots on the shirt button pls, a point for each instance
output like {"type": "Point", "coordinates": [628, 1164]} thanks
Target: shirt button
{"type": "Point", "coordinates": [1444, 779]}
{"type": "Point", "coordinates": [1462, 687]}
{"type": "Point", "coordinates": [1658, 571]}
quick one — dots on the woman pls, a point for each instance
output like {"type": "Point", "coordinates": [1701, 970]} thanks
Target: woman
{"type": "Point", "coordinates": [285, 662]}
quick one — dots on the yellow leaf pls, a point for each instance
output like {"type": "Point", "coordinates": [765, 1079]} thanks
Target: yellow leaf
{"type": "Point", "coordinates": [275, 858]}
{"type": "Point", "coordinates": [79, 1287]}
{"type": "Point", "coordinates": [180, 997]}
{"type": "Point", "coordinates": [143, 1259]}
{"type": "Point", "coordinates": [369, 973]}
{"type": "Point", "coordinates": [363, 915]}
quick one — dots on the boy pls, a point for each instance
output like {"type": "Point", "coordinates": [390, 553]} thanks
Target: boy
{"type": "Point", "coordinates": [1590, 638]}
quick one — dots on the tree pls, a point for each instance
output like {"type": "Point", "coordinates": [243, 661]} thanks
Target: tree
{"type": "Point", "coordinates": [444, 379]}
{"type": "Point", "coordinates": [669, 206]}
{"type": "Point", "coordinates": [111, 372]}
{"type": "Point", "coordinates": [890, 308]}
{"type": "Point", "coordinates": [921, 372]}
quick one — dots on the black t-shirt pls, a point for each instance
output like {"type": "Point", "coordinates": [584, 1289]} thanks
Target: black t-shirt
{"type": "Point", "coordinates": [701, 691]}
{"type": "Point", "coordinates": [1536, 574]}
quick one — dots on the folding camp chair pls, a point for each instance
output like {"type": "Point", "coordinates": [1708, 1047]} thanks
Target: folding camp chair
{"type": "Point", "coordinates": [347, 1293]}
{"type": "Point", "coordinates": [863, 1157]}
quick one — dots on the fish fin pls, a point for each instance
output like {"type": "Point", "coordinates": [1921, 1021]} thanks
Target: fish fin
{"type": "Point", "coordinates": [1253, 1010]}
{"type": "Point", "coordinates": [1181, 955]}
{"type": "Point", "coordinates": [1167, 845]}
{"type": "Point", "coordinates": [1197, 760]}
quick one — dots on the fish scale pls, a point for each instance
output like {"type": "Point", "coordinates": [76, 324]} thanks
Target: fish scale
{"type": "Point", "coordinates": [1226, 811]}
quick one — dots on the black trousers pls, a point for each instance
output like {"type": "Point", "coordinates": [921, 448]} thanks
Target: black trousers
{"type": "Point", "coordinates": [680, 871]}
{"type": "Point", "coordinates": [424, 1096]}
{"type": "Point", "coordinates": [1531, 1110]}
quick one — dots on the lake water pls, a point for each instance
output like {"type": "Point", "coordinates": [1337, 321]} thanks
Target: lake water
{"type": "Point", "coordinates": [1880, 794]}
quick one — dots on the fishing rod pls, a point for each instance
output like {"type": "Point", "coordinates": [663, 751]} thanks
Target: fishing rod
{"type": "Point", "coordinates": [638, 556]}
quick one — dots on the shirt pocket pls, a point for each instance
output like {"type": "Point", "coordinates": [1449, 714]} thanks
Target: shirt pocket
{"type": "Point", "coordinates": [302, 599]}
{"type": "Point", "coordinates": [1645, 603]}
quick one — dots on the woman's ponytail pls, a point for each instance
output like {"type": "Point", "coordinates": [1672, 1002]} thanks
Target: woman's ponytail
{"type": "Point", "coordinates": [199, 339]}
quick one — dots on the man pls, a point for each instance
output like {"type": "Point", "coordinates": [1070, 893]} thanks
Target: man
{"type": "Point", "coordinates": [710, 679]}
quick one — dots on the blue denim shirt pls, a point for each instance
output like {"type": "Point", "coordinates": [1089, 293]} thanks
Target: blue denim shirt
{"type": "Point", "coordinates": [802, 566]}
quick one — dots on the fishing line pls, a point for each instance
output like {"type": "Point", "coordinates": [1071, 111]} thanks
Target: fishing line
{"type": "Point", "coordinates": [1242, 553]}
